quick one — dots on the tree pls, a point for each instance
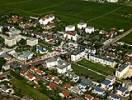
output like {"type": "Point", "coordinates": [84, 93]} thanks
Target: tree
{"type": "Point", "coordinates": [2, 62]}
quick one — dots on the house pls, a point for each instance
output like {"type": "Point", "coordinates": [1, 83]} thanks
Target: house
{"type": "Point", "coordinates": [1, 29]}
{"type": "Point", "coordinates": [81, 25]}
{"type": "Point", "coordinates": [47, 19]}
{"type": "Point", "coordinates": [56, 80]}
{"type": "Point", "coordinates": [84, 84]}
{"type": "Point", "coordinates": [111, 78]}
{"type": "Point", "coordinates": [29, 76]}
{"type": "Point", "coordinates": [102, 60]}
{"type": "Point", "coordinates": [76, 90]}
{"type": "Point", "coordinates": [52, 86]}
{"type": "Point", "coordinates": [10, 41]}
{"type": "Point", "coordinates": [64, 94]}
{"type": "Point", "coordinates": [6, 89]}
{"type": "Point", "coordinates": [121, 70]}
{"type": "Point", "coordinates": [74, 78]}
{"type": "Point", "coordinates": [13, 32]}
{"type": "Point", "coordinates": [41, 50]}
{"type": "Point", "coordinates": [60, 65]}
{"type": "Point", "coordinates": [67, 86]}
{"type": "Point", "coordinates": [99, 91]}
{"type": "Point", "coordinates": [112, 1]}
{"type": "Point", "coordinates": [70, 28]}
{"type": "Point", "coordinates": [25, 55]}
{"type": "Point", "coordinates": [89, 97]}
{"type": "Point", "coordinates": [78, 54]}
{"type": "Point", "coordinates": [89, 29]}
{"type": "Point", "coordinates": [122, 91]}
{"type": "Point", "coordinates": [32, 41]}
{"type": "Point", "coordinates": [114, 97]}
{"type": "Point", "coordinates": [127, 84]}
{"type": "Point", "coordinates": [6, 67]}
{"type": "Point", "coordinates": [37, 71]}
{"type": "Point", "coordinates": [107, 85]}
{"type": "Point", "coordinates": [71, 35]}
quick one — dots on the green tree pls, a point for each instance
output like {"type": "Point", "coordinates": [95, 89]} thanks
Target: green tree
{"type": "Point", "coordinates": [2, 62]}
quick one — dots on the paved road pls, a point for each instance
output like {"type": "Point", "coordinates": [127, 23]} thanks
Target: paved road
{"type": "Point", "coordinates": [117, 38]}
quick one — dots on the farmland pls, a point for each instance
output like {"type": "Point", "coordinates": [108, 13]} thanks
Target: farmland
{"type": "Point", "coordinates": [72, 11]}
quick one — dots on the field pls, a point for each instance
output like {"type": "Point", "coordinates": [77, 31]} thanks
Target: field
{"type": "Point", "coordinates": [83, 72]}
{"type": "Point", "coordinates": [127, 39]}
{"type": "Point", "coordinates": [97, 67]}
{"type": "Point", "coordinates": [72, 11]}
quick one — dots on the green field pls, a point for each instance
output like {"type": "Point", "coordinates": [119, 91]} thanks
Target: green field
{"type": "Point", "coordinates": [72, 11]}
{"type": "Point", "coordinates": [127, 39]}
{"type": "Point", "coordinates": [97, 67]}
{"type": "Point", "coordinates": [29, 91]}
{"type": "Point", "coordinates": [83, 72]}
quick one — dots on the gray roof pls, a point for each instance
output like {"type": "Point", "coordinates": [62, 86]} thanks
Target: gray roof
{"type": "Point", "coordinates": [52, 59]}
{"type": "Point", "coordinates": [122, 67]}
{"type": "Point", "coordinates": [106, 82]}
{"type": "Point", "coordinates": [122, 89]}
{"type": "Point", "coordinates": [62, 64]}
{"type": "Point", "coordinates": [115, 96]}
{"type": "Point", "coordinates": [86, 81]}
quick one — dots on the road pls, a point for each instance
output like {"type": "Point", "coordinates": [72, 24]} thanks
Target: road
{"type": "Point", "coordinates": [106, 44]}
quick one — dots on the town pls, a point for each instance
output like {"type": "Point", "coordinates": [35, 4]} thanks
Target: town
{"type": "Point", "coordinates": [44, 58]}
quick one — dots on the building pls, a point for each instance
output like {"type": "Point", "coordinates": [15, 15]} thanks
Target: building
{"type": "Point", "coordinates": [71, 35]}
{"type": "Point", "coordinates": [47, 19]}
{"type": "Point", "coordinates": [70, 28]}
{"type": "Point", "coordinates": [121, 70]}
{"type": "Point", "coordinates": [114, 97]}
{"type": "Point", "coordinates": [60, 65]}
{"type": "Point", "coordinates": [10, 41]}
{"type": "Point", "coordinates": [102, 60]}
{"type": "Point", "coordinates": [64, 94]}
{"type": "Point", "coordinates": [89, 29]}
{"type": "Point", "coordinates": [89, 97]}
{"type": "Point", "coordinates": [81, 25]}
{"type": "Point", "coordinates": [41, 50]}
{"type": "Point", "coordinates": [32, 41]}
{"type": "Point", "coordinates": [122, 91]}
{"type": "Point", "coordinates": [112, 1]}
{"type": "Point", "coordinates": [78, 54]}
{"type": "Point", "coordinates": [107, 85]}
{"type": "Point", "coordinates": [76, 90]}
{"type": "Point", "coordinates": [99, 91]}
{"type": "Point", "coordinates": [25, 55]}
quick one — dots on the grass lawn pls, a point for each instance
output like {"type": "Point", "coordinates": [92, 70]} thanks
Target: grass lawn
{"type": "Point", "coordinates": [97, 67]}
{"type": "Point", "coordinates": [19, 83]}
{"type": "Point", "coordinates": [72, 11]}
{"type": "Point", "coordinates": [127, 39]}
{"type": "Point", "coordinates": [27, 90]}
{"type": "Point", "coordinates": [83, 72]}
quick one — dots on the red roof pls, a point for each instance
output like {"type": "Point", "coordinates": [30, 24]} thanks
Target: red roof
{"type": "Point", "coordinates": [71, 33]}
{"type": "Point", "coordinates": [29, 75]}
{"type": "Point", "coordinates": [65, 93]}
{"type": "Point", "coordinates": [89, 97]}
{"type": "Point", "coordinates": [67, 86]}
{"type": "Point", "coordinates": [53, 85]}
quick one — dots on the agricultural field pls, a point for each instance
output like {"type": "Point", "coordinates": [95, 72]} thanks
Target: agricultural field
{"type": "Point", "coordinates": [127, 39]}
{"type": "Point", "coordinates": [72, 11]}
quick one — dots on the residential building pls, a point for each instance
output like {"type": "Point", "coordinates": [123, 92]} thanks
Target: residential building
{"type": "Point", "coordinates": [41, 50]}
{"type": "Point", "coordinates": [60, 65]}
{"type": "Point", "coordinates": [64, 94]}
{"type": "Point", "coordinates": [89, 29]}
{"type": "Point", "coordinates": [122, 91]}
{"type": "Point", "coordinates": [71, 35]}
{"type": "Point", "coordinates": [114, 97]}
{"type": "Point", "coordinates": [89, 97]}
{"type": "Point", "coordinates": [112, 1]}
{"type": "Point", "coordinates": [76, 90]}
{"type": "Point", "coordinates": [10, 41]}
{"type": "Point", "coordinates": [102, 60]}
{"type": "Point", "coordinates": [121, 70]}
{"type": "Point", "coordinates": [107, 85]}
{"type": "Point", "coordinates": [78, 54]}
{"type": "Point", "coordinates": [47, 19]}
{"type": "Point", "coordinates": [81, 25]}
{"type": "Point", "coordinates": [32, 41]}
{"type": "Point", "coordinates": [99, 91]}
{"type": "Point", "coordinates": [70, 28]}
{"type": "Point", "coordinates": [25, 55]}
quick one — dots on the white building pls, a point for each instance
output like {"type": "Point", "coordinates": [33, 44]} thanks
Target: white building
{"type": "Point", "coordinates": [1, 28]}
{"type": "Point", "coordinates": [89, 29]}
{"type": "Point", "coordinates": [60, 65]}
{"type": "Point", "coordinates": [70, 28]}
{"type": "Point", "coordinates": [71, 36]}
{"type": "Point", "coordinates": [32, 41]}
{"type": "Point", "coordinates": [121, 71]}
{"type": "Point", "coordinates": [122, 91]}
{"type": "Point", "coordinates": [78, 54]}
{"type": "Point", "coordinates": [10, 41]}
{"type": "Point", "coordinates": [104, 61]}
{"type": "Point", "coordinates": [112, 1]}
{"type": "Point", "coordinates": [47, 19]}
{"type": "Point", "coordinates": [81, 25]}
